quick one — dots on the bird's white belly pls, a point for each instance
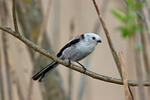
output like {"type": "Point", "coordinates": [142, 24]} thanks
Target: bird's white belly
{"type": "Point", "coordinates": [77, 53]}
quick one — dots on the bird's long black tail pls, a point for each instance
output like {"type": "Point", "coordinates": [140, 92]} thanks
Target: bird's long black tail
{"type": "Point", "coordinates": [40, 75]}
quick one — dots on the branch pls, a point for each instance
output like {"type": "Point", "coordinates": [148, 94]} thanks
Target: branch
{"type": "Point", "coordinates": [124, 77]}
{"type": "Point", "coordinates": [114, 53]}
{"type": "Point", "coordinates": [72, 66]}
{"type": "Point", "coordinates": [14, 15]}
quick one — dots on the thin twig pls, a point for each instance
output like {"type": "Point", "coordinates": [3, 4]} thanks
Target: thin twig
{"type": "Point", "coordinates": [139, 38]}
{"type": "Point", "coordinates": [14, 15]}
{"type": "Point", "coordinates": [124, 76]}
{"type": "Point", "coordinates": [114, 53]}
{"type": "Point", "coordinates": [97, 26]}
{"type": "Point", "coordinates": [145, 54]}
{"type": "Point", "coordinates": [147, 22]}
{"type": "Point", "coordinates": [72, 66]}
{"type": "Point", "coordinates": [144, 21]}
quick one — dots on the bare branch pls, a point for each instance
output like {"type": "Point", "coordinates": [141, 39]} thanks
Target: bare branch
{"type": "Point", "coordinates": [114, 53]}
{"type": "Point", "coordinates": [14, 15]}
{"type": "Point", "coordinates": [72, 66]}
{"type": "Point", "coordinates": [124, 77]}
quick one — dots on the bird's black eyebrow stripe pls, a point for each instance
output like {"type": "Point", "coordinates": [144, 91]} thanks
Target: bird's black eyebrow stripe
{"type": "Point", "coordinates": [74, 41]}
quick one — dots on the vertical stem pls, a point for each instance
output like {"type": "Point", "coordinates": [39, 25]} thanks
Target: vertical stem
{"type": "Point", "coordinates": [124, 77]}
{"type": "Point", "coordinates": [14, 15]}
{"type": "Point", "coordinates": [114, 53]}
{"type": "Point", "coordinates": [145, 55]}
{"type": "Point", "coordinates": [142, 21]}
{"type": "Point", "coordinates": [138, 65]}
{"type": "Point", "coordinates": [97, 26]}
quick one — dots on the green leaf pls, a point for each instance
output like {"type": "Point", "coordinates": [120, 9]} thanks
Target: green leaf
{"type": "Point", "coordinates": [124, 31]}
{"type": "Point", "coordinates": [138, 5]}
{"type": "Point", "coordinates": [130, 4]}
{"type": "Point", "coordinates": [120, 16]}
{"type": "Point", "coordinates": [128, 17]}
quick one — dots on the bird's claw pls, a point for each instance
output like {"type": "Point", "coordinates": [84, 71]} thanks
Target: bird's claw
{"type": "Point", "coordinates": [68, 63]}
{"type": "Point", "coordinates": [84, 68]}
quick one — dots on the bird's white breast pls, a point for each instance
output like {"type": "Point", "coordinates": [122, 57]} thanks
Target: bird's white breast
{"type": "Point", "coordinates": [79, 51]}
{"type": "Point", "coordinates": [86, 47]}
{"type": "Point", "coordinates": [83, 49]}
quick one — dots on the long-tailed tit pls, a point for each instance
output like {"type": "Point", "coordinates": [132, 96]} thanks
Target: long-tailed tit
{"type": "Point", "coordinates": [75, 50]}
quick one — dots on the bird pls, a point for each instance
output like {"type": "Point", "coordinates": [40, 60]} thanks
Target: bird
{"type": "Point", "coordinates": [75, 50]}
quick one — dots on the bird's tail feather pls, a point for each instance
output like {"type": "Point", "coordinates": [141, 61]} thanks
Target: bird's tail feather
{"type": "Point", "coordinates": [40, 75]}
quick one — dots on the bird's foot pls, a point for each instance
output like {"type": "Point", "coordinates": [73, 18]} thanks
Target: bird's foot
{"type": "Point", "coordinates": [68, 63]}
{"type": "Point", "coordinates": [83, 67]}
{"type": "Point", "coordinates": [41, 78]}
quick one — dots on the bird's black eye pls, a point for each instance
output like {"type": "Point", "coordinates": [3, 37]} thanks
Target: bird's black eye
{"type": "Point", "coordinates": [93, 38]}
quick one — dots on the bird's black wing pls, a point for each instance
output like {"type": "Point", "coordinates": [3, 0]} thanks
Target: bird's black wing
{"type": "Point", "coordinates": [72, 42]}
{"type": "Point", "coordinates": [40, 75]}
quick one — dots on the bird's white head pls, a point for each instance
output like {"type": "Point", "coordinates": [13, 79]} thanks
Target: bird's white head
{"type": "Point", "coordinates": [91, 37]}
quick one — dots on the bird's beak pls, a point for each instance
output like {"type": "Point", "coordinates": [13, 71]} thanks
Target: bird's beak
{"type": "Point", "coordinates": [99, 41]}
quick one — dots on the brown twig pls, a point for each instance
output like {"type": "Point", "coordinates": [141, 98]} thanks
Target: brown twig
{"type": "Point", "coordinates": [147, 22]}
{"type": "Point", "coordinates": [97, 26]}
{"type": "Point", "coordinates": [72, 66]}
{"type": "Point", "coordinates": [141, 20]}
{"type": "Point", "coordinates": [124, 76]}
{"type": "Point", "coordinates": [114, 53]}
{"type": "Point", "coordinates": [145, 54]}
{"type": "Point", "coordinates": [14, 15]}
